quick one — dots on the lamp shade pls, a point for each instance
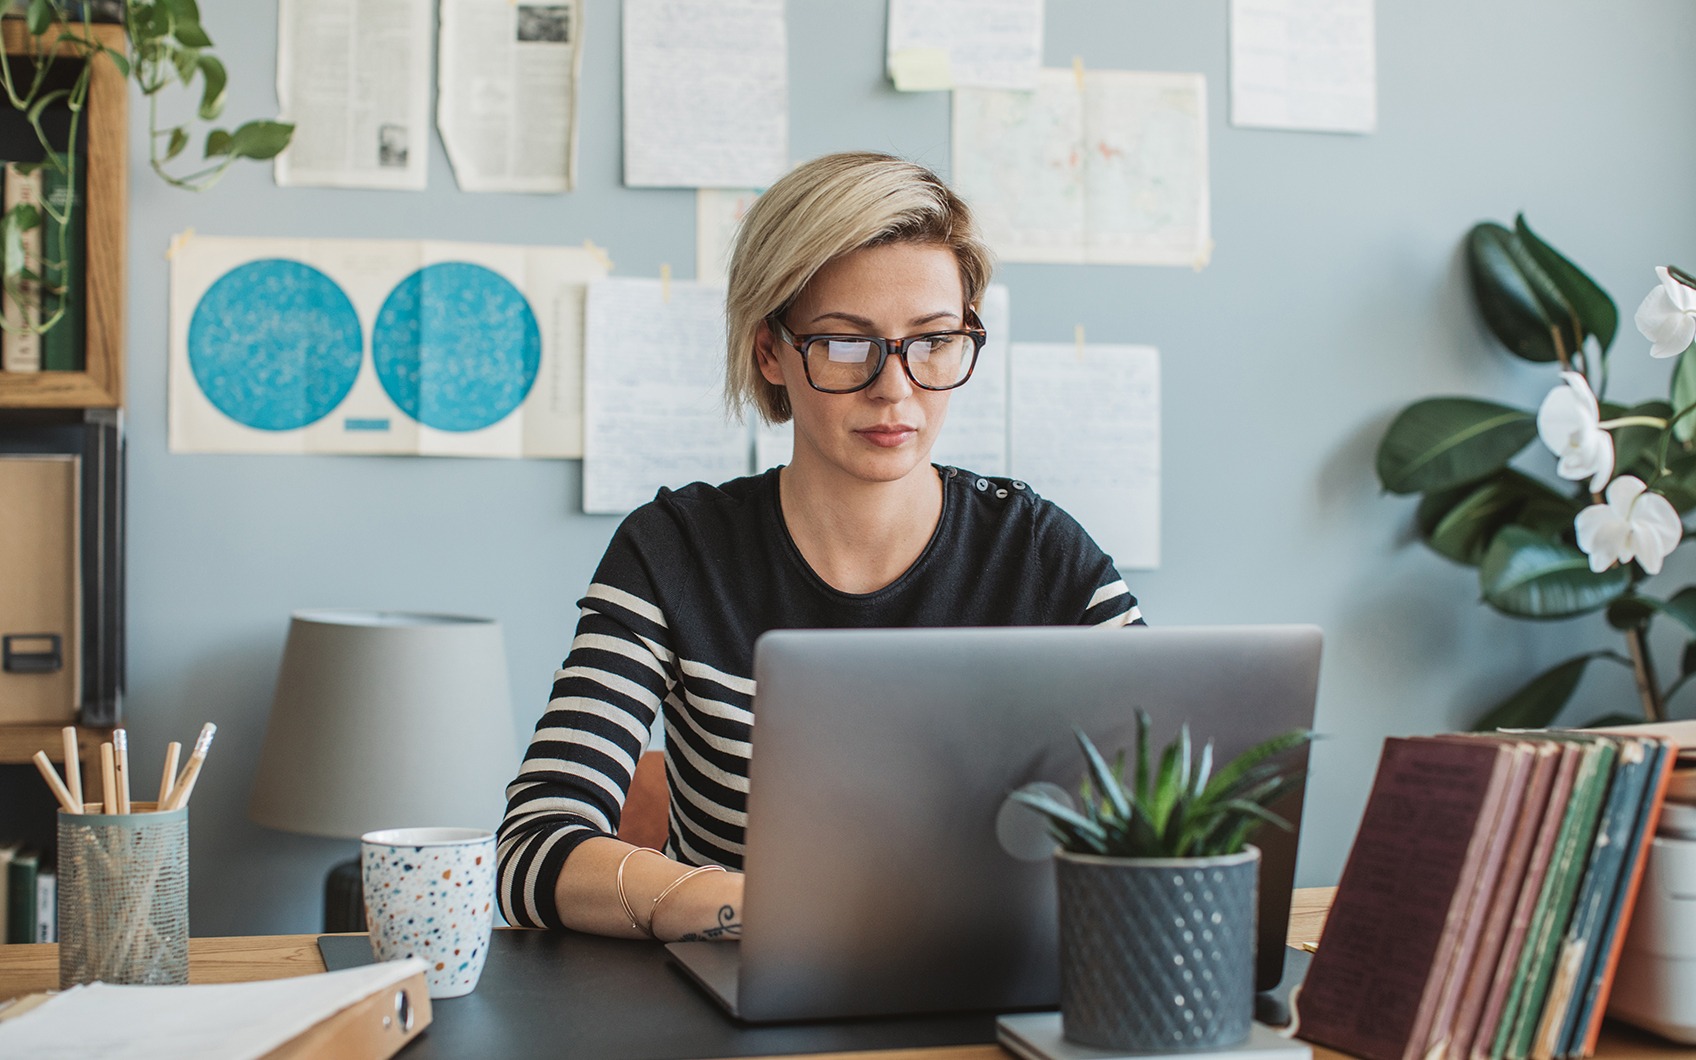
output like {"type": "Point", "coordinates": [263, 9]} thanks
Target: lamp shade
{"type": "Point", "coordinates": [386, 720]}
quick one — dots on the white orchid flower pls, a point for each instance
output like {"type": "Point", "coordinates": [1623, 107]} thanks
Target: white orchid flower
{"type": "Point", "coordinates": [1633, 524]}
{"type": "Point", "coordinates": [1667, 316]}
{"type": "Point", "coordinates": [1569, 424]}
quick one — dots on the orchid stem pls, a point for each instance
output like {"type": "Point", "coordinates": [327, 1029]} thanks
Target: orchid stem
{"type": "Point", "coordinates": [1634, 421]}
{"type": "Point", "coordinates": [1643, 668]}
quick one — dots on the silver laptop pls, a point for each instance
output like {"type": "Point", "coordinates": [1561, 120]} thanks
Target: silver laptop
{"type": "Point", "coordinates": [888, 872]}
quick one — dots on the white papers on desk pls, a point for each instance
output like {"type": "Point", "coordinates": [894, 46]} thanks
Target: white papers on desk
{"type": "Point", "coordinates": [935, 44]}
{"type": "Point", "coordinates": [507, 103]}
{"type": "Point", "coordinates": [354, 77]}
{"type": "Point", "coordinates": [233, 1020]}
{"type": "Point", "coordinates": [974, 436]}
{"type": "Point", "coordinates": [1086, 435]}
{"type": "Point", "coordinates": [371, 346]}
{"type": "Point", "coordinates": [718, 213]}
{"type": "Point", "coordinates": [1304, 64]}
{"type": "Point", "coordinates": [706, 93]}
{"type": "Point", "coordinates": [653, 370]}
{"type": "Point", "coordinates": [1109, 168]}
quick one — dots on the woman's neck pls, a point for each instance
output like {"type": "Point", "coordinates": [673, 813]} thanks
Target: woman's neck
{"type": "Point", "coordinates": [860, 536]}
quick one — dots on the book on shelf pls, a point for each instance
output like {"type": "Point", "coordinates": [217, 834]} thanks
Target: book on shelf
{"type": "Point", "coordinates": [46, 904]}
{"type": "Point", "coordinates": [63, 253]}
{"type": "Point", "coordinates": [1481, 909]}
{"type": "Point", "coordinates": [20, 895]}
{"type": "Point", "coordinates": [20, 301]}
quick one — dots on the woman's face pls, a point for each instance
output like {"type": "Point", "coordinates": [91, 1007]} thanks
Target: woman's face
{"type": "Point", "coordinates": [884, 432]}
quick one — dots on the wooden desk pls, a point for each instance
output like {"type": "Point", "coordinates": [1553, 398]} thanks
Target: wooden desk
{"type": "Point", "coordinates": [34, 968]}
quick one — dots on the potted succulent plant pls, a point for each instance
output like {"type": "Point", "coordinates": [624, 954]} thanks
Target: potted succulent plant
{"type": "Point", "coordinates": [1157, 891]}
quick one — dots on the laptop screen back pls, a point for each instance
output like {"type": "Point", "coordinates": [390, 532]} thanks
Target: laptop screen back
{"type": "Point", "coordinates": [887, 872]}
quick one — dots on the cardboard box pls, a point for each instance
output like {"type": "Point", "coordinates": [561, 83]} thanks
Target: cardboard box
{"type": "Point", "coordinates": [40, 589]}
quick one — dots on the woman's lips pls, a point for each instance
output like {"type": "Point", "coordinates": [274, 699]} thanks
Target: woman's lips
{"type": "Point", "coordinates": [888, 436]}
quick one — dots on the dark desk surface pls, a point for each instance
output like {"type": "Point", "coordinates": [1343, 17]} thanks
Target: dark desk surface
{"type": "Point", "coordinates": [569, 995]}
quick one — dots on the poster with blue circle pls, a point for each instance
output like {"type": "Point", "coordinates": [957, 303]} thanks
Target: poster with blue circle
{"type": "Point", "coordinates": [456, 346]}
{"type": "Point", "coordinates": [275, 344]}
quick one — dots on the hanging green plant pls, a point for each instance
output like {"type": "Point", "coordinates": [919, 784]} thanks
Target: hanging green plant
{"type": "Point", "coordinates": [48, 84]}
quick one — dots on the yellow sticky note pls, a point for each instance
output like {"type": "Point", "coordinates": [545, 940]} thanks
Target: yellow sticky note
{"type": "Point", "coordinates": [920, 70]}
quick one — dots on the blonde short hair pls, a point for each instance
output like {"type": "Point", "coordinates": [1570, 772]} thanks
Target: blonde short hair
{"type": "Point", "coordinates": [814, 214]}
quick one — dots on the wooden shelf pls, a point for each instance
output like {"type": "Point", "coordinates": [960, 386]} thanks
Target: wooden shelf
{"type": "Point", "coordinates": [18, 744]}
{"type": "Point", "coordinates": [106, 200]}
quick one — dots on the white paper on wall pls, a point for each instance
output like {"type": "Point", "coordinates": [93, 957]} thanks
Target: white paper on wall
{"type": "Point", "coordinates": [653, 372]}
{"type": "Point", "coordinates": [975, 435]}
{"type": "Point", "coordinates": [507, 105]}
{"type": "Point", "coordinates": [939, 44]}
{"type": "Point", "coordinates": [718, 212]}
{"type": "Point", "coordinates": [774, 443]}
{"type": "Point", "coordinates": [1304, 64]}
{"type": "Point", "coordinates": [1110, 168]}
{"type": "Point", "coordinates": [354, 77]}
{"type": "Point", "coordinates": [1086, 435]}
{"type": "Point", "coordinates": [375, 346]}
{"type": "Point", "coordinates": [706, 93]}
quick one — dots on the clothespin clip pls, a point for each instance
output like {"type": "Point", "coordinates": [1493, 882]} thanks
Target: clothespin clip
{"type": "Point", "coordinates": [665, 282]}
{"type": "Point", "coordinates": [599, 253]}
{"type": "Point", "coordinates": [178, 241]}
{"type": "Point", "coordinates": [1078, 71]}
{"type": "Point", "coordinates": [1078, 337]}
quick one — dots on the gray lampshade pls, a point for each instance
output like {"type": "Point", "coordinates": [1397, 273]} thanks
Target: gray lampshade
{"type": "Point", "coordinates": [386, 720]}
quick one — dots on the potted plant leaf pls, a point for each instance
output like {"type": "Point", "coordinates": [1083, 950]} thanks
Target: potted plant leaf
{"type": "Point", "coordinates": [1158, 888]}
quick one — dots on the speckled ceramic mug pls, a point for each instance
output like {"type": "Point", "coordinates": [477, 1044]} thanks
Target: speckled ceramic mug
{"type": "Point", "coordinates": [430, 894]}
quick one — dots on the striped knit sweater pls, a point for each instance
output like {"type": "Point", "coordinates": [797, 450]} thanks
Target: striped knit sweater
{"type": "Point", "coordinates": [667, 634]}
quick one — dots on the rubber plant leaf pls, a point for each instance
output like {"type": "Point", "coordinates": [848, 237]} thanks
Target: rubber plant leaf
{"type": "Point", "coordinates": [1526, 574]}
{"type": "Point", "coordinates": [1449, 441]}
{"type": "Point", "coordinates": [1597, 315]}
{"type": "Point", "coordinates": [1539, 701]}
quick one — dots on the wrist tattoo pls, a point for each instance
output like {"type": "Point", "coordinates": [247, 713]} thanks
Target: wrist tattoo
{"type": "Point", "coordinates": [729, 927]}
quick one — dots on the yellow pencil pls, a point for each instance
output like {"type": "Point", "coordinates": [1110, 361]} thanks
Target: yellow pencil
{"type": "Point", "coordinates": [172, 750]}
{"type": "Point", "coordinates": [51, 775]}
{"type": "Point", "coordinates": [108, 783]}
{"type": "Point", "coordinates": [184, 787]}
{"type": "Point", "coordinates": [73, 766]}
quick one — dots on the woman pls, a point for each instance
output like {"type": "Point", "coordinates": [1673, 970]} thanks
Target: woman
{"type": "Point", "coordinates": [849, 311]}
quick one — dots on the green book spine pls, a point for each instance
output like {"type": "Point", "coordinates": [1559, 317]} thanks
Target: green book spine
{"type": "Point", "coordinates": [1554, 904]}
{"type": "Point", "coordinates": [63, 252]}
{"type": "Point", "coordinates": [20, 898]}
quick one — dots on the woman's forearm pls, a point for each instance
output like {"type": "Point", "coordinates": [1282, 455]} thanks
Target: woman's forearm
{"type": "Point", "coordinates": [707, 906]}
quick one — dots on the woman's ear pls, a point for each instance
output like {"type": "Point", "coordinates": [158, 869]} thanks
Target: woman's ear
{"type": "Point", "coordinates": [765, 354]}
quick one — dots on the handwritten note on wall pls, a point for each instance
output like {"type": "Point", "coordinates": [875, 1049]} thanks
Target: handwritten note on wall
{"type": "Point", "coordinates": [706, 93]}
{"type": "Point", "coordinates": [653, 370]}
{"type": "Point", "coordinates": [1102, 466]}
{"type": "Point", "coordinates": [1304, 64]}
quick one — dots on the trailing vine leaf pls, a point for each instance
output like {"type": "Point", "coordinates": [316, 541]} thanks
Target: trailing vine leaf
{"type": "Point", "coordinates": [1442, 442]}
{"type": "Point", "coordinates": [1539, 701]}
{"type": "Point", "coordinates": [1519, 302]}
{"type": "Point", "coordinates": [1525, 574]}
{"type": "Point", "coordinates": [1596, 312]}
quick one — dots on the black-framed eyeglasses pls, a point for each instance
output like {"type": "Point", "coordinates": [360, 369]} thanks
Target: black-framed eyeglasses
{"type": "Point", "coordinates": [842, 364]}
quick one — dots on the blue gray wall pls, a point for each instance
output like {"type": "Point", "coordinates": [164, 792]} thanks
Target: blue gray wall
{"type": "Point", "coordinates": [1335, 297]}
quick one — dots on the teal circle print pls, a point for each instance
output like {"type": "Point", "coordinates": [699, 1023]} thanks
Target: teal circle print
{"type": "Point", "coordinates": [456, 346]}
{"type": "Point", "coordinates": [274, 344]}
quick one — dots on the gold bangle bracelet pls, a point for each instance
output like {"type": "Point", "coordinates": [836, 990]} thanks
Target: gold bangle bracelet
{"type": "Point", "coordinates": [624, 899]}
{"type": "Point", "coordinates": [654, 909]}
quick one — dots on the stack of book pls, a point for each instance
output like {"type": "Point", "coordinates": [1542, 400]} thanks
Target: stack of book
{"type": "Point", "coordinates": [29, 896]}
{"type": "Point", "coordinates": [1482, 908]}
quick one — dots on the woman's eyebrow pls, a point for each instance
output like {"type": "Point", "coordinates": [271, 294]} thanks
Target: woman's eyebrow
{"type": "Point", "coordinates": [862, 322]}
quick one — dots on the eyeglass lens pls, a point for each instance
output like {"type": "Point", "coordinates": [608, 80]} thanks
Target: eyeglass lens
{"type": "Point", "coordinates": [937, 361]}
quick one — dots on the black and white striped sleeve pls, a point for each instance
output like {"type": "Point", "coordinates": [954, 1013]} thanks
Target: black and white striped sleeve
{"type": "Point", "coordinates": [576, 773]}
{"type": "Point", "coordinates": [1092, 591]}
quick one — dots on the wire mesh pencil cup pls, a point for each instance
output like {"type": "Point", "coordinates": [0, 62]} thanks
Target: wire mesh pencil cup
{"type": "Point", "coordinates": [123, 897]}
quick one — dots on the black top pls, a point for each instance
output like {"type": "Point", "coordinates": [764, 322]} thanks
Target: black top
{"type": "Point", "coordinates": [668, 626]}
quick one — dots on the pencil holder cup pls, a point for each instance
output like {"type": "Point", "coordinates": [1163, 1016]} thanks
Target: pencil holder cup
{"type": "Point", "coordinates": [123, 897]}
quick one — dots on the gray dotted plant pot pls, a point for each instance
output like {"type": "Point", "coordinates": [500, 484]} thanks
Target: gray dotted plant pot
{"type": "Point", "coordinates": [1157, 954]}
